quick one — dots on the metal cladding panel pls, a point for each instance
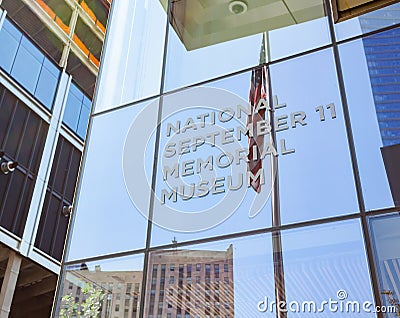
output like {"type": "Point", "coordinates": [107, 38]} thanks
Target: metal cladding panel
{"type": "Point", "coordinates": [60, 191]}
{"type": "Point", "coordinates": [22, 138]}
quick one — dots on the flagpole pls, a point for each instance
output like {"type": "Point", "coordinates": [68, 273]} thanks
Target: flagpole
{"type": "Point", "coordinates": [279, 277]}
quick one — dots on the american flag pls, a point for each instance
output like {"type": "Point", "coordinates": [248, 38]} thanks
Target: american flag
{"type": "Point", "coordinates": [258, 90]}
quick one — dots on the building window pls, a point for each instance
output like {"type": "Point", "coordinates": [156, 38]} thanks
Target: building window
{"type": "Point", "coordinates": [226, 268]}
{"type": "Point", "coordinates": [198, 267]}
{"type": "Point", "coordinates": [171, 279]}
{"type": "Point", "coordinates": [117, 307]}
{"type": "Point", "coordinates": [172, 267]}
{"type": "Point", "coordinates": [198, 280]}
{"type": "Point", "coordinates": [28, 65]}
{"type": "Point", "coordinates": [77, 111]}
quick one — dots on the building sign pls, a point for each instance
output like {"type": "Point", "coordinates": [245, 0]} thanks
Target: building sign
{"type": "Point", "coordinates": [203, 172]}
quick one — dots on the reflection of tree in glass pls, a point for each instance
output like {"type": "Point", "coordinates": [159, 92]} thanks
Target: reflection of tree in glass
{"type": "Point", "coordinates": [392, 301]}
{"type": "Point", "coordinates": [90, 308]}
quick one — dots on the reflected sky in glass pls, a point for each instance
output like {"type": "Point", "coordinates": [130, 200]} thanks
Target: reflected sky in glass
{"type": "Point", "coordinates": [106, 220]}
{"type": "Point", "coordinates": [133, 54]}
{"type": "Point", "coordinates": [364, 122]}
{"type": "Point", "coordinates": [315, 181]}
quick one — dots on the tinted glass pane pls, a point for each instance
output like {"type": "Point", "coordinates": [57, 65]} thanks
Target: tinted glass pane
{"type": "Point", "coordinates": [371, 21]}
{"type": "Point", "coordinates": [103, 283]}
{"type": "Point", "coordinates": [83, 121]}
{"type": "Point", "coordinates": [323, 263]}
{"type": "Point", "coordinates": [216, 211]}
{"type": "Point", "coordinates": [133, 55]}
{"type": "Point", "coordinates": [9, 46]}
{"type": "Point", "coordinates": [385, 236]}
{"type": "Point", "coordinates": [298, 38]}
{"type": "Point", "coordinates": [72, 109]}
{"type": "Point", "coordinates": [109, 208]}
{"type": "Point", "coordinates": [231, 293]}
{"type": "Point", "coordinates": [12, 30]}
{"type": "Point", "coordinates": [310, 126]}
{"type": "Point", "coordinates": [46, 87]}
{"type": "Point", "coordinates": [306, 145]}
{"type": "Point", "coordinates": [233, 39]}
{"type": "Point", "coordinates": [27, 67]}
{"type": "Point", "coordinates": [368, 92]}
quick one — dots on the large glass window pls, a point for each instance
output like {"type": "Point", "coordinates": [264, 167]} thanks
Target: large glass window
{"type": "Point", "coordinates": [77, 111]}
{"type": "Point", "coordinates": [107, 220]}
{"type": "Point", "coordinates": [207, 40]}
{"type": "Point", "coordinates": [202, 169]}
{"type": "Point", "coordinates": [314, 165]}
{"type": "Point", "coordinates": [249, 277]}
{"type": "Point", "coordinates": [133, 55]}
{"type": "Point", "coordinates": [370, 68]}
{"type": "Point", "coordinates": [385, 239]}
{"type": "Point", "coordinates": [202, 173]}
{"type": "Point", "coordinates": [326, 263]}
{"type": "Point", "coordinates": [27, 64]}
{"type": "Point", "coordinates": [371, 21]}
{"type": "Point", "coordinates": [84, 288]}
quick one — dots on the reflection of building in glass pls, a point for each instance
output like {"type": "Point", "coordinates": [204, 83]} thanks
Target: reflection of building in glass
{"type": "Point", "coordinates": [382, 51]}
{"type": "Point", "coordinates": [121, 290]}
{"type": "Point", "coordinates": [181, 283]}
{"type": "Point", "coordinates": [49, 60]}
{"type": "Point", "coordinates": [190, 283]}
{"type": "Point", "coordinates": [385, 235]}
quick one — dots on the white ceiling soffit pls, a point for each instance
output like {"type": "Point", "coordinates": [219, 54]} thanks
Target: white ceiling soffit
{"type": "Point", "coordinates": [200, 23]}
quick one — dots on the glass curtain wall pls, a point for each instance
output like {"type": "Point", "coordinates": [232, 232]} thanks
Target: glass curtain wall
{"type": "Point", "coordinates": [244, 155]}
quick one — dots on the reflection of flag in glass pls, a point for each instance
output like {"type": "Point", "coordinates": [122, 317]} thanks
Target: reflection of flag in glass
{"type": "Point", "coordinates": [256, 143]}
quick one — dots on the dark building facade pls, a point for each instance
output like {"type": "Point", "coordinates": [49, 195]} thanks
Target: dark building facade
{"type": "Point", "coordinates": [49, 60]}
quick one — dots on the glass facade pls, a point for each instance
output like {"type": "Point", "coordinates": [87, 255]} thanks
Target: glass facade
{"type": "Point", "coordinates": [253, 169]}
{"type": "Point", "coordinates": [27, 64]}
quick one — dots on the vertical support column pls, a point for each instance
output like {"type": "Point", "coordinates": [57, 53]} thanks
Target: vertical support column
{"type": "Point", "coordinates": [39, 193]}
{"type": "Point", "coordinates": [3, 14]}
{"type": "Point", "coordinates": [9, 283]}
{"type": "Point", "coordinates": [67, 46]}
